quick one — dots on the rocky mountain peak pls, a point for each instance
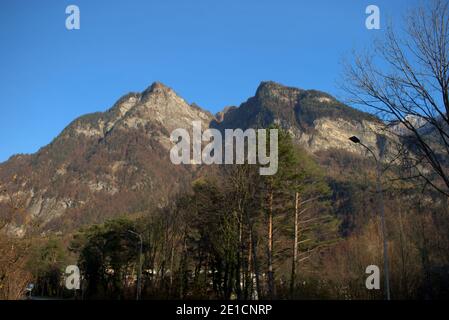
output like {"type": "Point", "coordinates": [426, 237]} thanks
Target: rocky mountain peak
{"type": "Point", "coordinates": [158, 89]}
{"type": "Point", "coordinates": [271, 89]}
{"type": "Point", "coordinates": [161, 104]}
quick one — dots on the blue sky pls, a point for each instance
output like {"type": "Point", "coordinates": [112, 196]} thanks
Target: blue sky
{"type": "Point", "coordinates": [213, 53]}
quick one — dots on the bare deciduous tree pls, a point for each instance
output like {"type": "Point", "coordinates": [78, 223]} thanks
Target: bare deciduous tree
{"type": "Point", "coordinates": [13, 255]}
{"type": "Point", "coordinates": [405, 81]}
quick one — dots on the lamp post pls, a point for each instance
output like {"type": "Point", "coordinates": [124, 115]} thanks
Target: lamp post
{"type": "Point", "coordinates": [381, 208]}
{"type": "Point", "coordinates": [139, 274]}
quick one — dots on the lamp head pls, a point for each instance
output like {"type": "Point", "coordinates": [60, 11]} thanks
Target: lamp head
{"type": "Point", "coordinates": [354, 139]}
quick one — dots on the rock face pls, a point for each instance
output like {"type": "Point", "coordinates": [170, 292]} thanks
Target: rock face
{"type": "Point", "coordinates": [117, 162]}
{"type": "Point", "coordinates": [317, 120]}
{"type": "Point", "coordinates": [102, 164]}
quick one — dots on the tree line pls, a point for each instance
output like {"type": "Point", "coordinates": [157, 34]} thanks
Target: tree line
{"type": "Point", "coordinates": [237, 235]}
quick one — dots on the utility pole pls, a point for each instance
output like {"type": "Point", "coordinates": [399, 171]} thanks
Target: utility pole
{"type": "Point", "coordinates": [381, 208]}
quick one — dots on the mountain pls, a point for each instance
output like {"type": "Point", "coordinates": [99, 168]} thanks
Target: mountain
{"type": "Point", "coordinates": [103, 164]}
{"type": "Point", "coordinates": [317, 120]}
{"type": "Point", "coordinates": [117, 162]}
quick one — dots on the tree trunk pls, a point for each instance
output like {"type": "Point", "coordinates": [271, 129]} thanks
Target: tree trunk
{"type": "Point", "coordinates": [239, 266]}
{"type": "Point", "coordinates": [253, 252]}
{"type": "Point", "coordinates": [295, 246]}
{"type": "Point", "coordinates": [249, 284]}
{"type": "Point", "coordinates": [270, 246]}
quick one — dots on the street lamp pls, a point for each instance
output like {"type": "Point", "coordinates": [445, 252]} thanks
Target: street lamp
{"type": "Point", "coordinates": [139, 274]}
{"type": "Point", "coordinates": [356, 140]}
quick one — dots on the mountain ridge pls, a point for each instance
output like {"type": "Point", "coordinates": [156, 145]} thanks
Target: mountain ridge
{"type": "Point", "coordinates": [116, 162]}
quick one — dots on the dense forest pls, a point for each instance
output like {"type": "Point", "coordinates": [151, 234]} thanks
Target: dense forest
{"type": "Point", "coordinates": [308, 232]}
